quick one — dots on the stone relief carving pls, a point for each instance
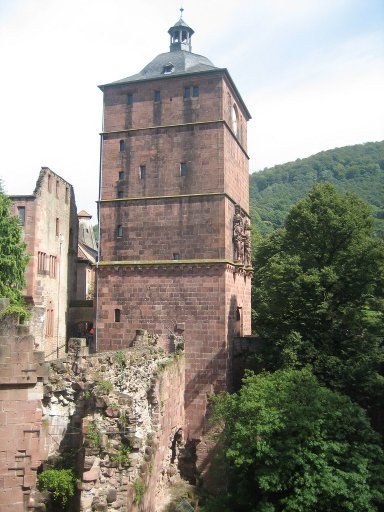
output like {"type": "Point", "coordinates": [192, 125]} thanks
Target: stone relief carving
{"type": "Point", "coordinates": [241, 237]}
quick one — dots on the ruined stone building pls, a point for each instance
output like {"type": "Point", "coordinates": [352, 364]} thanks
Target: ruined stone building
{"type": "Point", "coordinates": [174, 215]}
{"type": "Point", "coordinates": [48, 218]}
{"type": "Point", "coordinates": [86, 257]}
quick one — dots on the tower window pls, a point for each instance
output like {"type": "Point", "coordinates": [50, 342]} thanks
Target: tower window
{"type": "Point", "coordinates": [57, 188]}
{"type": "Point", "coordinates": [121, 175]}
{"type": "Point", "coordinates": [143, 172]}
{"type": "Point", "coordinates": [176, 255]}
{"type": "Point", "coordinates": [120, 193]}
{"type": "Point", "coordinates": [235, 120]}
{"type": "Point", "coordinates": [57, 227]}
{"type": "Point", "coordinates": [119, 231]}
{"type": "Point", "coordinates": [49, 183]}
{"type": "Point", "coordinates": [66, 195]}
{"type": "Point", "coordinates": [117, 315]}
{"type": "Point", "coordinates": [129, 99]}
{"type": "Point", "coordinates": [168, 68]}
{"type": "Point", "coordinates": [183, 169]}
{"type": "Point", "coordinates": [21, 213]}
{"type": "Point", "coordinates": [196, 91]}
{"type": "Point", "coordinates": [122, 146]}
{"type": "Point", "coordinates": [156, 96]}
{"type": "Point", "coordinates": [187, 92]}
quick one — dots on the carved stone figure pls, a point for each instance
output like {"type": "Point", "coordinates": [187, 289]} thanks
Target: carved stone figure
{"type": "Point", "coordinates": [247, 243]}
{"type": "Point", "coordinates": [238, 234]}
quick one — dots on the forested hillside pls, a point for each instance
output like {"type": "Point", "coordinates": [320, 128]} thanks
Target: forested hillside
{"type": "Point", "coordinates": [358, 169]}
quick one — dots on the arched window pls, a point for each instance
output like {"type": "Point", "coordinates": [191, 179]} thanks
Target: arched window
{"type": "Point", "coordinates": [122, 146]}
{"type": "Point", "coordinates": [235, 120]}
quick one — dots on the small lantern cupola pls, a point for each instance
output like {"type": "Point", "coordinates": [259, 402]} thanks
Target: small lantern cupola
{"type": "Point", "coordinates": [181, 35]}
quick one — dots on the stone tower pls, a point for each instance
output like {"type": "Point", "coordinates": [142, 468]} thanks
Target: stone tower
{"type": "Point", "coordinates": [174, 223]}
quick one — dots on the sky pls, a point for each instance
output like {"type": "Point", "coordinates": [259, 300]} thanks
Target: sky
{"type": "Point", "coordinates": [310, 71]}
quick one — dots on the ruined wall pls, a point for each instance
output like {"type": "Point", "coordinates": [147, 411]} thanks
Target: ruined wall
{"type": "Point", "coordinates": [122, 414]}
{"type": "Point", "coordinates": [50, 232]}
{"type": "Point", "coordinates": [118, 417]}
{"type": "Point", "coordinates": [21, 389]}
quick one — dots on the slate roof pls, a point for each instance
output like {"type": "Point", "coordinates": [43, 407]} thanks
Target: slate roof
{"type": "Point", "coordinates": [181, 23]}
{"type": "Point", "coordinates": [184, 62]}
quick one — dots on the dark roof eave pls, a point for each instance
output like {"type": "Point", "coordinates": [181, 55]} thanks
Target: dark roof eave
{"type": "Point", "coordinates": [22, 196]}
{"type": "Point", "coordinates": [223, 70]}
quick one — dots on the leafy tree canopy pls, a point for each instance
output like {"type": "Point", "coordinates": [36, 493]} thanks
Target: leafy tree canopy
{"type": "Point", "coordinates": [358, 169]}
{"type": "Point", "coordinates": [293, 445]}
{"type": "Point", "coordinates": [318, 294]}
{"type": "Point", "coordinates": [13, 258]}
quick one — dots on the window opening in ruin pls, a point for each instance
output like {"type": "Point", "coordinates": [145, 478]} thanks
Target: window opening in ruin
{"type": "Point", "coordinates": [57, 188]}
{"type": "Point", "coordinates": [52, 266]}
{"type": "Point", "coordinates": [183, 169]}
{"type": "Point", "coordinates": [120, 193]}
{"type": "Point", "coordinates": [143, 172]}
{"type": "Point", "coordinates": [49, 183]}
{"type": "Point", "coordinates": [121, 175]}
{"type": "Point", "coordinates": [21, 213]}
{"type": "Point", "coordinates": [41, 262]}
{"type": "Point", "coordinates": [119, 231]}
{"type": "Point", "coordinates": [122, 146]}
{"type": "Point", "coordinates": [156, 96]}
{"type": "Point", "coordinates": [66, 195]}
{"type": "Point", "coordinates": [50, 321]}
{"type": "Point", "coordinates": [187, 92]}
{"type": "Point", "coordinates": [117, 315]}
{"type": "Point", "coordinates": [57, 227]}
{"type": "Point", "coordinates": [168, 68]}
{"type": "Point", "coordinates": [196, 91]}
{"type": "Point", "coordinates": [130, 99]}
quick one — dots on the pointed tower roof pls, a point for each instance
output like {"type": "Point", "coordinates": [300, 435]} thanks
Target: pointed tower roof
{"type": "Point", "coordinates": [179, 61]}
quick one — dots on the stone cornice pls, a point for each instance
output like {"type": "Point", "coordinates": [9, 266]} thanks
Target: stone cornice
{"type": "Point", "coordinates": [197, 123]}
{"type": "Point", "coordinates": [171, 196]}
{"type": "Point", "coordinates": [167, 263]}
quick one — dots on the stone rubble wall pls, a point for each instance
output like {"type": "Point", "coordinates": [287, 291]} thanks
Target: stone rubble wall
{"type": "Point", "coordinates": [119, 416]}
{"type": "Point", "coordinates": [122, 415]}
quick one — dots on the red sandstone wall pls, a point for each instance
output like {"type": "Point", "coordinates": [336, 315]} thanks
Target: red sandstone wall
{"type": "Point", "coordinates": [170, 391]}
{"type": "Point", "coordinates": [172, 109]}
{"type": "Point", "coordinates": [155, 229]}
{"type": "Point", "coordinates": [21, 389]}
{"type": "Point", "coordinates": [162, 151]}
{"type": "Point", "coordinates": [159, 300]}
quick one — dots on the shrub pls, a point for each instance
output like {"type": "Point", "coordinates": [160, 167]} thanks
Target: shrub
{"type": "Point", "coordinates": [120, 358]}
{"type": "Point", "coordinates": [60, 483]}
{"type": "Point", "coordinates": [103, 387]}
{"type": "Point", "coordinates": [122, 457]}
{"type": "Point", "coordinates": [93, 435]}
{"type": "Point", "coordinates": [139, 491]}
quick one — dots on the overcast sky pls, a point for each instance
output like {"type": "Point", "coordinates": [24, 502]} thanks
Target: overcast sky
{"type": "Point", "coordinates": [310, 71]}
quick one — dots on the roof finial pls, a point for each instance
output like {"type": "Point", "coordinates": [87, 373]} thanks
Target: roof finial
{"type": "Point", "coordinates": [181, 11]}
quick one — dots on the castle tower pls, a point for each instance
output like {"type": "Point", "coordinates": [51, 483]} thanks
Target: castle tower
{"type": "Point", "coordinates": [174, 223]}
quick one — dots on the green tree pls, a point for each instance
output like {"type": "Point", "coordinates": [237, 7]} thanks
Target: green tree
{"type": "Point", "coordinates": [358, 169]}
{"type": "Point", "coordinates": [293, 445]}
{"type": "Point", "coordinates": [318, 294]}
{"type": "Point", "coordinates": [13, 258]}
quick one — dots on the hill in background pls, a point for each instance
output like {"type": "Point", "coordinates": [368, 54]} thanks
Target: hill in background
{"type": "Point", "coordinates": [358, 169]}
